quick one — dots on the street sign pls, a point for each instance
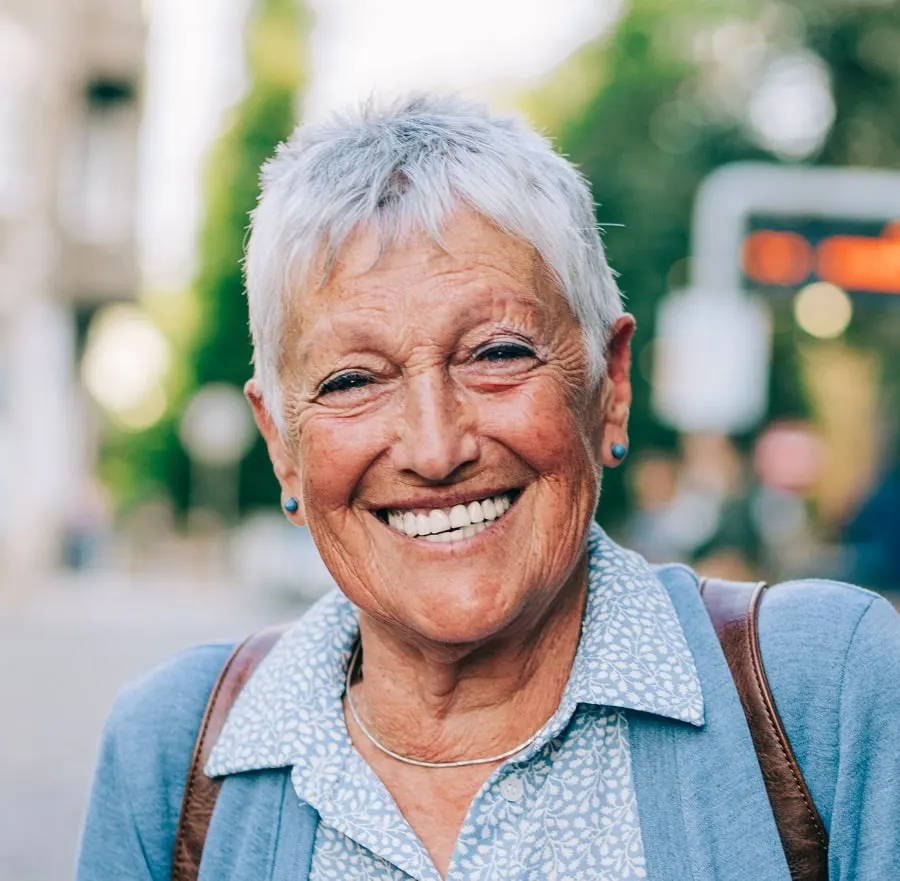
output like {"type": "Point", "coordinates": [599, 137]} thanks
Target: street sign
{"type": "Point", "coordinates": [790, 250]}
{"type": "Point", "coordinates": [764, 225]}
{"type": "Point", "coordinates": [217, 431]}
{"type": "Point", "coordinates": [216, 428]}
{"type": "Point", "coordinates": [711, 362]}
{"type": "Point", "coordinates": [761, 227]}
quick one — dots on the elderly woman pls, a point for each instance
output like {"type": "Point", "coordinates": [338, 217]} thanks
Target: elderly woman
{"type": "Point", "coordinates": [497, 690]}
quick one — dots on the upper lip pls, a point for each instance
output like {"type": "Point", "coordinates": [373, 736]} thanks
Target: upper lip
{"type": "Point", "coordinates": [446, 499]}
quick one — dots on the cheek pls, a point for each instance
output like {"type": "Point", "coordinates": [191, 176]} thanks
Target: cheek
{"type": "Point", "coordinates": [337, 453]}
{"type": "Point", "coordinates": [543, 426]}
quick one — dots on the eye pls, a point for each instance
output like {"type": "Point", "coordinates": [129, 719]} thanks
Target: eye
{"type": "Point", "coordinates": [505, 351]}
{"type": "Point", "coordinates": [344, 382]}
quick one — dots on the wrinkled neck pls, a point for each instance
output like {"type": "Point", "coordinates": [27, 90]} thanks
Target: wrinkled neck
{"type": "Point", "coordinates": [451, 702]}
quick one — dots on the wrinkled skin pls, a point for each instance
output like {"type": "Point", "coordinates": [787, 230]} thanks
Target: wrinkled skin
{"type": "Point", "coordinates": [455, 374]}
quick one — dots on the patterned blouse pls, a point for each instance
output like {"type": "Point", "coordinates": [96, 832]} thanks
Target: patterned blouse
{"type": "Point", "coordinates": [565, 808]}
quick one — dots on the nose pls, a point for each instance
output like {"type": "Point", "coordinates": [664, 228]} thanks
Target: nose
{"type": "Point", "coordinates": [436, 435]}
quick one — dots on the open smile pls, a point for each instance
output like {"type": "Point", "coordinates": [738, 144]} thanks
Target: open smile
{"type": "Point", "coordinates": [449, 524]}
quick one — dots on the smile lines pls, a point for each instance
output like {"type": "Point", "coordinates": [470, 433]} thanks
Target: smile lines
{"type": "Point", "coordinates": [450, 524]}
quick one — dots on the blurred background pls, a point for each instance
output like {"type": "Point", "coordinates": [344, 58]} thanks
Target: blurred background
{"type": "Point", "coordinates": [744, 156]}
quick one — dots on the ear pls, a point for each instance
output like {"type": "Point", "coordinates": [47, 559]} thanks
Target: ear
{"type": "Point", "coordinates": [615, 397]}
{"type": "Point", "coordinates": [283, 462]}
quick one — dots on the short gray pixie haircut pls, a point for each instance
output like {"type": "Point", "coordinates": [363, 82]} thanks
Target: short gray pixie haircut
{"type": "Point", "coordinates": [403, 168]}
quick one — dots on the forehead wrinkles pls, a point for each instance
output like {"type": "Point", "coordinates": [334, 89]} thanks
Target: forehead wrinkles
{"type": "Point", "coordinates": [352, 309]}
{"type": "Point", "coordinates": [367, 290]}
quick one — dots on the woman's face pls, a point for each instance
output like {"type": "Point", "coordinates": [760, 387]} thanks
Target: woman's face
{"type": "Point", "coordinates": [445, 392]}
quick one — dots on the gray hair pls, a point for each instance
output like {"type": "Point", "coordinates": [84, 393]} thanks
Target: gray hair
{"type": "Point", "coordinates": [407, 167]}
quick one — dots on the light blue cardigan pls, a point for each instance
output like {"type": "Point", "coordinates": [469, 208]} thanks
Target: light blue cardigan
{"type": "Point", "coordinates": [832, 653]}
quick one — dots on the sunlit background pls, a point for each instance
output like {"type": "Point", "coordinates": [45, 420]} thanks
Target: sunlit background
{"type": "Point", "coordinates": [744, 156]}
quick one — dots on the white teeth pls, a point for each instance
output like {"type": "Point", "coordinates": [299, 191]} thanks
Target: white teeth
{"type": "Point", "coordinates": [438, 521]}
{"type": "Point", "coordinates": [457, 534]}
{"type": "Point", "coordinates": [440, 537]}
{"type": "Point", "coordinates": [450, 524]}
{"type": "Point", "coordinates": [476, 515]}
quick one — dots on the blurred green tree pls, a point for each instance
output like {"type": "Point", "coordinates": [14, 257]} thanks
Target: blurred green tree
{"type": "Point", "coordinates": [676, 90]}
{"type": "Point", "coordinates": [218, 347]}
{"type": "Point", "coordinates": [263, 118]}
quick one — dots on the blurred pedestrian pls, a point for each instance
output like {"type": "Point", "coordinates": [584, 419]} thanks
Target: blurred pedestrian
{"type": "Point", "coordinates": [873, 535]}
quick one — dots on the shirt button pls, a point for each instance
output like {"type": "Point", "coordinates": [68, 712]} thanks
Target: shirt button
{"type": "Point", "coordinates": [511, 788]}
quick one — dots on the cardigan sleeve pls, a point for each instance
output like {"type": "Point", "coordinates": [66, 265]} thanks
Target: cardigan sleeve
{"type": "Point", "coordinates": [832, 656]}
{"type": "Point", "coordinates": [148, 740]}
{"type": "Point", "coordinates": [865, 824]}
{"type": "Point", "coordinates": [111, 845]}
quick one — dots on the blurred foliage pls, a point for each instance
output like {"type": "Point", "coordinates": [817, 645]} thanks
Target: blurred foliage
{"type": "Point", "coordinates": [263, 119]}
{"type": "Point", "coordinates": [218, 345]}
{"type": "Point", "coordinates": [648, 110]}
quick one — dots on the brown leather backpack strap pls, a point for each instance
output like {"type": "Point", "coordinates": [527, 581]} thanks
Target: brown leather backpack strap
{"type": "Point", "coordinates": [200, 791]}
{"type": "Point", "coordinates": [734, 610]}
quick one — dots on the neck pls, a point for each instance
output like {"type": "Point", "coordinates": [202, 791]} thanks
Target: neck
{"type": "Point", "coordinates": [446, 703]}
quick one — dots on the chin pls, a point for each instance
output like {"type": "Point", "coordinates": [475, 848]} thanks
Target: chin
{"type": "Point", "coordinates": [461, 615]}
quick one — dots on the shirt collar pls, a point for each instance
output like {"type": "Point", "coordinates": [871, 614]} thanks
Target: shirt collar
{"type": "Point", "coordinates": [632, 654]}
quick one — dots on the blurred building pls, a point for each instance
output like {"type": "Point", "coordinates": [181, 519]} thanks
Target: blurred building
{"type": "Point", "coordinates": [70, 83]}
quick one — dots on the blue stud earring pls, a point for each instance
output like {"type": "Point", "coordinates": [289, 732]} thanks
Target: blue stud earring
{"type": "Point", "coordinates": [292, 506]}
{"type": "Point", "coordinates": [619, 451]}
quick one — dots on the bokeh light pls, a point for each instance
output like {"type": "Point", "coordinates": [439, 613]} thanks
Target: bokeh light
{"type": "Point", "coordinates": [792, 110]}
{"type": "Point", "coordinates": [823, 310]}
{"type": "Point", "coordinates": [146, 412]}
{"type": "Point", "coordinates": [125, 361]}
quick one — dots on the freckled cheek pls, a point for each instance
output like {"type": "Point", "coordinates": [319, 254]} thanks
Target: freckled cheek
{"type": "Point", "coordinates": [336, 455]}
{"type": "Point", "coordinates": [542, 428]}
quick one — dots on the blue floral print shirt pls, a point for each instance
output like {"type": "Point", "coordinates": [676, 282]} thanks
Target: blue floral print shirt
{"type": "Point", "coordinates": [565, 808]}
